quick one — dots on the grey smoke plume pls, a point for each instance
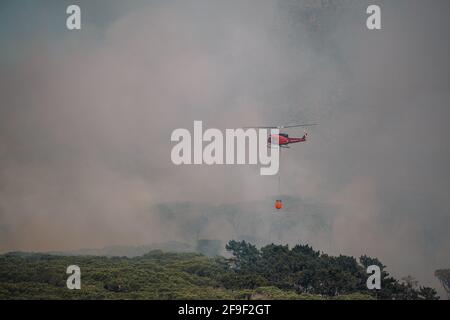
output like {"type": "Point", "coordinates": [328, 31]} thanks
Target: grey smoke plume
{"type": "Point", "coordinates": [86, 118]}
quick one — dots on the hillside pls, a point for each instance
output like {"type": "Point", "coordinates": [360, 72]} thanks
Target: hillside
{"type": "Point", "coordinates": [272, 272]}
{"type": "Point", "coordinates": [155, 275]}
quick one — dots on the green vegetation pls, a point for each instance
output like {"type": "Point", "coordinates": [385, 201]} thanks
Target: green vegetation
{"type": "Point", "coordinates": [272, 272]}
{"type": "Point", "coordinates": [306, 271]}
{"type": "Point", "coordinates": [444, 277]}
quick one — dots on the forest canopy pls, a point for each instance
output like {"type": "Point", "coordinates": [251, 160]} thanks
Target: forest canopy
{"type": "Point", "coordinates": [270, 272]}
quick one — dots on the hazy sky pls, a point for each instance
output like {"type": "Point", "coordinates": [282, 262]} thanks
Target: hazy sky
{"type": "Point", "coordinates": [86, 118]}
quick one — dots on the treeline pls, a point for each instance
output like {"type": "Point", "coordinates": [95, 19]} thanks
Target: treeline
{"type": "Point", "coordinates": [305, 270]}
{"type": "Point", "coordinates": [271, 272]}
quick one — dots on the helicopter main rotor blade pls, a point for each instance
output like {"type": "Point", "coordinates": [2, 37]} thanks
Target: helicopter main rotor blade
{"type": "Point", "coordinates": [284, 127]}
{"type": "Point", "coordinates": [260, 127]}
{"type": "Point", "coordinates": [299, 125]}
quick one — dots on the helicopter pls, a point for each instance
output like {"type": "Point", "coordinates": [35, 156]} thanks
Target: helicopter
{"type": "Point", "coordinates": [283, 138]}
{"type": "Point", "coordinates": [283, 141]}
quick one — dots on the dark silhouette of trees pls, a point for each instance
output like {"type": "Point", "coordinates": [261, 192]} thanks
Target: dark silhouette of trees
{"type": "Point", "coordinates": [311, 272]}
{"type": "Point", "coordinates": [444, 277]}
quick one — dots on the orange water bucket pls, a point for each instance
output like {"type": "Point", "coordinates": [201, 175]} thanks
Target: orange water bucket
{"type": "Point", "coordinates": [278, 204]}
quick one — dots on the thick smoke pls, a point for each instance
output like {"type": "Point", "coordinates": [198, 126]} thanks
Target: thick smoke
{"type": "Point", "coordinates": [86, 118]}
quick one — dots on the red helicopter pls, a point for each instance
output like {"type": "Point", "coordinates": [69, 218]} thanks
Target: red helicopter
{"type": "Point", "coordinates": [284, 141]}
{"type": "Point", "coordinates": [283, 138]}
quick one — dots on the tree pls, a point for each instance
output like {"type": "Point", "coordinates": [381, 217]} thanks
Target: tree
{"type": "Point", "coordinates": [426, 293]}
{"type": "Point", "coordinates": [444, 277]}
{"type": "Point", "coordinates": [246, 255]}
{"type": "Point", "coordinates": [304, 270]}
